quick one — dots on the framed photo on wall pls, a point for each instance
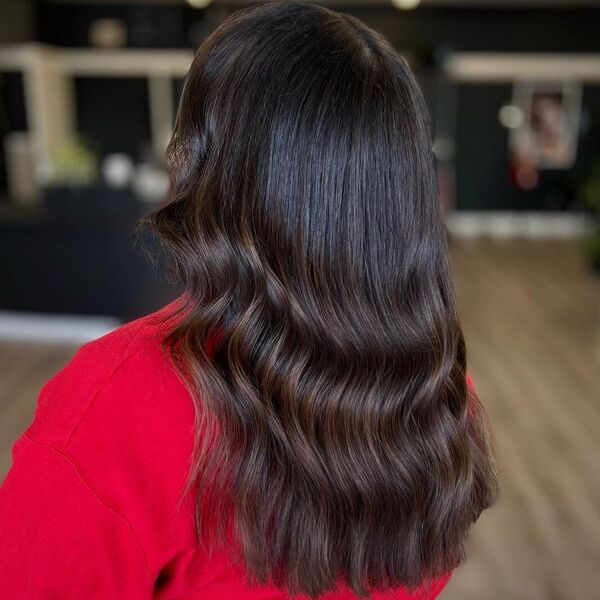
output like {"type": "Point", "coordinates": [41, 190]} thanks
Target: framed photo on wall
{"type": "Point", "coordinates": [547, 135]}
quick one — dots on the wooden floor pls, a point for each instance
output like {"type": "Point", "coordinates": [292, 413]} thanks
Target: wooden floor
{"type": "Point", "coordinates": [531, 316]}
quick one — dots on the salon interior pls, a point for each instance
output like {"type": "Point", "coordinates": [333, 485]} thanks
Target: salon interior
{"type": "Point", "coordinates": [88, 94]}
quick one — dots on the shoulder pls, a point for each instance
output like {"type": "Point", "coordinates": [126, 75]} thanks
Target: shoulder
{"type": "Point", "coordinates": [123, 420]}
{"type": "Point", "coordinates": [120, 379]}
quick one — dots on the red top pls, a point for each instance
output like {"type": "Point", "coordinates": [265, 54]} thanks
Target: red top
{"type": "Point", "coordinates": [90, 506]}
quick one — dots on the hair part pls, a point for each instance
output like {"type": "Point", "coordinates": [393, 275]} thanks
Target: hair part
{"type": "Point", "coordinates": [337, 438]}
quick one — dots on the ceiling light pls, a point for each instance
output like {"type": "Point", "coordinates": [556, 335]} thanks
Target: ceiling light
{"type": "Point", "coordinates": [406, 4]}
{"type": "Point", "coordinates": [199, 3]}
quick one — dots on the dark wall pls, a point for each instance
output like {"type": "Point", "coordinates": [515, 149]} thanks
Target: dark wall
{"type": "Point", "coordinates": [155, 24]}
{"type": "Point", "coordinates": [12, 114]}
{"type": "Point", "coordinates": [512, 30]}
{"type": "Point", "coordinates": [113, 114]}
{"type": "Point", "coordinates": [17, 21]}
{"type": "Point", "coordinates": [149, 25]}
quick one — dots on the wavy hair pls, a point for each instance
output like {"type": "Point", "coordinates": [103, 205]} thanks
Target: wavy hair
{"type": "Point", "coordinates": [337, 438]}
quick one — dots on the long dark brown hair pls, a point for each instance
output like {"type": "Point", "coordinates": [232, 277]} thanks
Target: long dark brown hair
{"type": "Point", "coordinates": [337, 438]}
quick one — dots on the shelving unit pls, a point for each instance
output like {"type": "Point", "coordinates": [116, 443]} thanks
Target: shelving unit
{"type": "Point", "coordinates": [48, 75]}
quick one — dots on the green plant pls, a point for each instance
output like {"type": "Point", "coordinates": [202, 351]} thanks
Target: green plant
{"type": "Point", "coordinates": [589, 197]}
{"type": "Point", "coordinates": [74, 163]}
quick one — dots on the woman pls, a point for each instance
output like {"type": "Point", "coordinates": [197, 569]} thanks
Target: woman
{"type": "Point", "coordinates": [299, 420]}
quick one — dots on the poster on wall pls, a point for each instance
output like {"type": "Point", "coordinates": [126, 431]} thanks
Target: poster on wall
{"type": "Point", "coordinates": [546, 137]}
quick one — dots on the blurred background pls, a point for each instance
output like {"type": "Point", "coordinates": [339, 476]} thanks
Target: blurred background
{"type": "Point", "coordinates": [88, 94]}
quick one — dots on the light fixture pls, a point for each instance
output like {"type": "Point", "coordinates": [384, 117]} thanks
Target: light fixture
{"type": "Point", "coordinates": [511, 116]}
{"type": "Point", "coordinates": [199, 3]}
{"type": "Point", "coordinates": [406, 4]}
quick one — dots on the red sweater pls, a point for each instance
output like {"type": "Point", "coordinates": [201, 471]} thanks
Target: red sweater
{"type": "Point", "coordinates": [90, 509]}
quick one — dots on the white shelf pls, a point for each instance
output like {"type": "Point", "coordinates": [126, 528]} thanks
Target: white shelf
{"type": "Point", "coordinates": [49, 92]}
{"type": "Point", "coordinates": [491, 67]}
{"type": "Point", "coordinates": [126, 62]}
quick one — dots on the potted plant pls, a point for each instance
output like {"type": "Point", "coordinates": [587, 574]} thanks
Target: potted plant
{"type": "Point", "coordinates": [589, 196]}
